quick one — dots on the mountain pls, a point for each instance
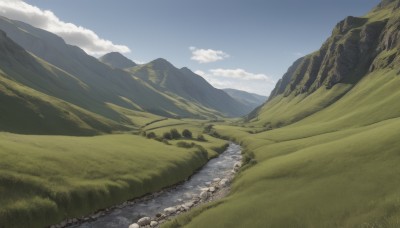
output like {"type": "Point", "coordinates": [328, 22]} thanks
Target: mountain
{"type": "Point", "coordinates": [96, 87]}
{"type": "Point", "coordinates": [324, 150]}
{"type": "Point", "coordinates": [358, 47]}
{"type": "Point", "coordinates": [117, 60]}
{"type": "Point", "coordinates": [25, 110]}
{"type": "Point", "coordinates": [251, 100]}
{"type": "Point", "coordinates": [185, 84]}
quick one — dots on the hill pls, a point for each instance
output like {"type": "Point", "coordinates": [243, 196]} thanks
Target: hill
{"type": "Point", "coordinates": [251, 100]}
{"type": "Point", "coordinates": [26, 110]}
{"type": "Point", "coordinates": [323, 151]}
{"type": "Point", "coordinates": [117, 60]}
{"type": "Point", "coordinates": [96, 86]}
{"type": "Point", "coordinates": [185, 84]}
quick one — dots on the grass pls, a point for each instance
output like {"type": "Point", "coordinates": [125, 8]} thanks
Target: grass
{"type": "Point", "coordinates": [335, 168]}
{"type": "Point", "coordinates": [45, 179]}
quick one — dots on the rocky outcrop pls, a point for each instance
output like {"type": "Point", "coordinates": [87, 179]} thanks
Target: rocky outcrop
{"type": "Point", "coordinates": [357, 46]}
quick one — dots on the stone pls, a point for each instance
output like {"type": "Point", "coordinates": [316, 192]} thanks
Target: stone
{"type": "Point", "coordinates": [204, 189]}
{"type": "Point", "coordinates": [170, 210]}
{"type": "Point", "coordinates": [204, 195]}
{"type": "Point", "coordinates": [144, 221]}
{"type": "Point", "coordinates": [189, 204]}
{"type": "Point", "coordinates": [212, 189]}
{"type": "Point", "coordinates": [153, 223]}
{"type": "Point", "coordinates": [158, 215]}
{"type": "Point", "coordinates": [224, 182]}
{"type": "Point", "coordinates": [217, 179]}
{"type": "Point", "coordinates": [237, 164]}
{"type": "Point", "coordinates": [134, 225]}
{"type": "Point", "coordinates": [208, 183]}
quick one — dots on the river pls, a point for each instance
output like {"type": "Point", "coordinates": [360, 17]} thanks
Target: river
{"type": "Point", "coordinates": [122, 217]}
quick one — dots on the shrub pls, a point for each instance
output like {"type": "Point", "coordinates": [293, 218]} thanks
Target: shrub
{"type": "Point", "coordinates": [201, 138]}
{"type": "Point", "coordinates": [208, 128]}
{"type": "Point", "coordinates": [185, 144]}
{"type": "Point", "coordinates": [187, 134]}
{"type": "Point", "coordinates": [175, 134]}
{"type": "Point", "coordinates": [151, 135]}
{"type": "Point", "coordinates": [167, 135]}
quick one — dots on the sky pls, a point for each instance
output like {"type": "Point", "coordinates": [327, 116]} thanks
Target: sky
{"type": "Point", "coordinates": [240, 44]}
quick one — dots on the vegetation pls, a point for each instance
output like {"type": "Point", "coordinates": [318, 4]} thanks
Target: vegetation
{"type": "Point", "coordinates": [187, 134]}
{"type": "Point", "coordinates": [73, 176]}
{"type": "Point", "coordinates": [324, 151]}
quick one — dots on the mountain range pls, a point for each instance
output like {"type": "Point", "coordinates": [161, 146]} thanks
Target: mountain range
{"type": "Point", "coordinates": [105, 88]}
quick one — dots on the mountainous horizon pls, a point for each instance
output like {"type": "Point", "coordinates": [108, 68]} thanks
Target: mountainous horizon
{"type": "Point", "coordinates": [89, 138]}
{"type": "Point", "coordinates": [106, 88]}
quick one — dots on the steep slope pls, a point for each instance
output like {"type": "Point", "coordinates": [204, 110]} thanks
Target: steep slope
{"type": "Point", "coordinates": [357, 47]}
{"type": "Point", "coordinates": [25, 110]}
{"type": "Point", "coordinates": [189, 86]}
{"type": "Point", "coordinates": [103, 84]}
{"type": "Point", "coordinates": [117, 60]}
{"type": "Point", "coordinates": [251, 100]}
{"type": "Point", "coordinates": [336, 166]}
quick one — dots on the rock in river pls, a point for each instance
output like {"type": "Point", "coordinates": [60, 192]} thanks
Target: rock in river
{"type": "Point", "coordinates": [144, 221]}
{"type": "Point", "coordinates": [134, 225]}
{"type": "Point", "coordinates": [170, 210]}
{"type": "Point", "coordinates": [153, 223]}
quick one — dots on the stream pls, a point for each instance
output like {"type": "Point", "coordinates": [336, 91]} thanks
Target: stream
{"type": "Point", "coordinates": [122, 217]}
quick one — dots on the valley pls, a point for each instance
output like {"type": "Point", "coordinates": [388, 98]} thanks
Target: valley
{"type": "Point", "coordinates": [103, 141]}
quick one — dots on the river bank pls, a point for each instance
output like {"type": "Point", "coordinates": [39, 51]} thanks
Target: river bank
{"type": "Point", "coordinates": [130, 212]}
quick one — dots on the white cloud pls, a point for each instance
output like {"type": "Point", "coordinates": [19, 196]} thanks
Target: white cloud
{"type": "Point", "coordinates": [239, 79]}
{"type": "Point", "coordinates": [207, 55]}
{"type": "Point", "coordinates": [239, 74]}
{"type": "Point", "coordinates": [71, 33]}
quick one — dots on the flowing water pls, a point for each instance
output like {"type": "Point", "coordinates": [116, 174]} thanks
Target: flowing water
{"type": "Point", "coordinates": [219, 167]}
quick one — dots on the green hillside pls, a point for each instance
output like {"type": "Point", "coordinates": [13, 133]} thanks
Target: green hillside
{"type": "Point", "coordinates": [46, 179]}
{"type": "Point", "coordinates": [187, 85]}
{"type": "Point", "coordinates": [25, 110]}
{"type": "Point", "coordinates": [325, 146]}
{"type": "Point", "coordinates": [95, 84]}
{"type": "Point", "coordinates": [117, 60]}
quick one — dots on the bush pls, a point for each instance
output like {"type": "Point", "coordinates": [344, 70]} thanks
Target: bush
{"type": "Point", "coordinates": [185, 144]}
{"type": "Point", "coordinates": [201, 138]}
{"type": "Point", "coordinates": [175, 134]}
{"type": "Point", "coordinates": [151, 135]}
{"type": "Point", "coordinates": [208, 128]}
{"type": "Point", "coordinates": [187, 134]}
{"type": "Point", "coordinates": [167, 135]}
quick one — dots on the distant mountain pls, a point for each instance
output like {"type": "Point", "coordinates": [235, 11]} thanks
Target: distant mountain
{"type": "Point", "coordinates": [251, 100]}
{"type": "Point", "coordinates": [117, 60]}
{"type": "Point", "coordinates": [183, 83]}
{"type": "Point", "coordinates": [98, 87]}
{"type": "Point", "coordinates": [26, 110]}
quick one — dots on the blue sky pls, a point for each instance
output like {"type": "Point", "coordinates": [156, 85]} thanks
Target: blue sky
{"type": "Point", "coordinates": [232, 43]}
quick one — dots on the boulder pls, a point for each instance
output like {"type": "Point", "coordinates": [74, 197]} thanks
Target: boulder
{"type": "Point", "coordinates": [134, 225]}
{"type": "Point", "coordinates": [212, 189]}
{"type": "Point", "coordinates": [216, 179]}
{"type": "Point", "coordinates": [144, 221]}
{"type": "Point", "coordinates": [153, 223]}
{"type": "Point", "coordinates": [170, 210]}
{"type": "Point", "coordinates": [224, 182]}
{"type": "Point", "coordinates": [189, 204]}
{"type": "Point", "coordinates": [204, 195]}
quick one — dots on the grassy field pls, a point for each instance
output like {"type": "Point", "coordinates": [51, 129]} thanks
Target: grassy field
{"type": "Point", "coordinates": [335, 168]}
{"type": "Point", "coordinates": [45, 179]}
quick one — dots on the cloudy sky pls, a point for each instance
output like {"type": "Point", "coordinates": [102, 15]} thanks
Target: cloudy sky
{"type": "Point", "coordinates": [241, 44]}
